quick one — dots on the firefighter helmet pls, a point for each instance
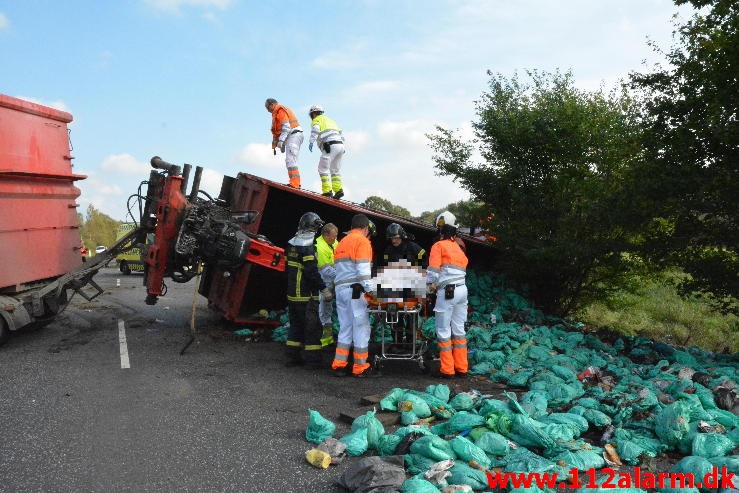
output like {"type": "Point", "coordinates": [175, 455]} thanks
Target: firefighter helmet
{"type": "Point", "coordinates": [447, 224]}
{"type": "Point", "coordinates": [395, 229]}
{"type": "Point", "coordinates": [372, 229]}
{"type": "Point", "coordinates": [310, 221]}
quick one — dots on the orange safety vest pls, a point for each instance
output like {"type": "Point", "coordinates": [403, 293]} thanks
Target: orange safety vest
{"type": "Point", "coordinates": [281, 114]}
{"type": "Point", "coordinates": [447, 263]}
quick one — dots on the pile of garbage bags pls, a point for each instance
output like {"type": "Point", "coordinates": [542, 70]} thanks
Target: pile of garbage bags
{"type": "Point", "coordinates": [583, 404]}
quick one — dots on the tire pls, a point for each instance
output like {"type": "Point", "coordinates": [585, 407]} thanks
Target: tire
{"type": "Point", "coordinates": [4, 331]}
{"type": "Point", "coordinates": [125, 268]}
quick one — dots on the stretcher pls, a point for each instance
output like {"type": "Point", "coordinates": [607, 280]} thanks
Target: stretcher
{"type": "Point", "coordinates": [403, 321]}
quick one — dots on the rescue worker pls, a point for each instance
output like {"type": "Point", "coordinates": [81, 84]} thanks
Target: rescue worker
{"type": "Point", "coordinates": [445, 277]}
{"type": "Point", "coordinates": [352, 261]}
{"type": "Point", "coordinates": [402, 246]}
{"type": "Point", "coordinates": [304, 283]}
{"type": "Point", "coordinates": [327, 134]}
{"type": "Point", "coordinates": [288, 136]}
{"type": "Point", "coordinates": [325, 246]}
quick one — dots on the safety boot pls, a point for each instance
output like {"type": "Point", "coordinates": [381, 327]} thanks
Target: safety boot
{"type": "Point", "coordinates": [339, 194]}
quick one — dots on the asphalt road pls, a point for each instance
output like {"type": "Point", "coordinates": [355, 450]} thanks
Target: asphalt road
{"type": "Point", "coordinates": [225, 416]}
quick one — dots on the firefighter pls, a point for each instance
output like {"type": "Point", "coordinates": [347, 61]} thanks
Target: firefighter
{"type": "Point", "coordinates": [445, 277]}
{"type": "Point", "coordinates": [353, 264]}
{"type": "Point", "coordinates": [402, 246]}
{"type": "Point", "coordinates": [327, 134]}
{"type": "Point", "coordinates": [288, 136]}
{"type": "Point", "coordinates": [304, 284]}
{"type": "Point", "coordinates": [325, 246]}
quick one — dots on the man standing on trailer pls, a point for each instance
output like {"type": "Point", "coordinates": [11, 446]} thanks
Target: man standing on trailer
{"type": "Point", "coordinates": [288, 136]}
{"type": "Point", "coordinates": [327, 134]}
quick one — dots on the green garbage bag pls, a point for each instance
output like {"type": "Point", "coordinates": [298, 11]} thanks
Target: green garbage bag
{"type": "Point", "coordinates": [493, 443]}
{"type": "Point", "coordinates": [374, 427]}
{"type": "Point", "coordinates": [711, 445]}
{"type": "Point", "coordinates": [468, 451]}
{"type": "Point", "coordinates": [418, 485]}
{"type": "Point", "coordinates": [528, 432]}
{"type": "Point", "coordinates": [433, 447]}
{"type": "Point", "coordinates": [574, 421]}
{"type": "Point", "coordinates": [439, 391]}
{"type": "Point", "coordinates": [464, 420]}
{"type": "Point", "coordinates": [412, 402]}
{"type": "Point", "coordinates": [630, 445]}
{"type": "Point", "coordinates": [462, 402]}
{"type": "Point", "coordinates": [408, 418]}
{"type": "Point", "coordinates": [499, 422]}
{"type": "Point", "coordinates": [596, 418]}
{"type": "Point", "coordinates": [697, 466]}
{"type": "Point", "coordinates": [319, 428]}
{"type": "Point", "coordinates": [672, 423]}
{"type": "Point", "coordinates": [535, 403]}
{"type": "Point", "coordinates": [464, 474]}
{"type": "Point", "coordinates": [417, 463]}
{"type": "Point", "coordinates": [390, 401]}
{"type": "Point", "coordinates": [356, 442]}
{"type": "Point", "coordinates": [523, 460]}
{"type": "Point", "coordinates": [387, 444]}
{"type": "Point", "coordinates": [580, 459]}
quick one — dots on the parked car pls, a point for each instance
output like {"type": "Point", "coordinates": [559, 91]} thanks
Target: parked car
{"type": "Point", "coordinates": [100, 249]}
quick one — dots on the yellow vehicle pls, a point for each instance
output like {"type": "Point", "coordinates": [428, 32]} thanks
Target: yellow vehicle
{"type": "Point", "coordinates": [132, 260]}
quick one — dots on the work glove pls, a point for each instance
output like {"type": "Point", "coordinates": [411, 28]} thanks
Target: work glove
{"type": "Point", "coordinates": [310, 147]}
{"type": "Point", "coordinates": [431, 288]}
{"type": "Point", "coordinates": [327, 294]}
{"type": "Point", "coordinates": [274, 151]}
{"type": "Point", "coordinates": [282, 147]}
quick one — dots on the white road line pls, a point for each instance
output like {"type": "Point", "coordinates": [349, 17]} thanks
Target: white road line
{"type": "Point", "coordinates": [124, 346]}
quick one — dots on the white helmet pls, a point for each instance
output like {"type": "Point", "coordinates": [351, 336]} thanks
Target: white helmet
{"type": "Point", "coordinates": [315, 109]}
{"type": "Point", "coordinates": [446, 218]}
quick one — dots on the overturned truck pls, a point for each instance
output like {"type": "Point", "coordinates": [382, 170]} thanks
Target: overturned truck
{"type": "Point", "coordinates": [233, 240]}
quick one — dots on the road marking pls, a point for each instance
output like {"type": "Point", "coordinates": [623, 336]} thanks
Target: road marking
{"type": "Point", "coordinates": [124, 346]}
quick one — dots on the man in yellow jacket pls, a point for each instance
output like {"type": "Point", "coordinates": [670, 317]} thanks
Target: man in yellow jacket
{"type": "Point", "coordinates": [288, 136]}
{"type": "Point", "coordinates": [445, 276]}
{"type": "Point", "coordinates": [326, 243]}
{"type": "Point", "coordinates": [327, 134]}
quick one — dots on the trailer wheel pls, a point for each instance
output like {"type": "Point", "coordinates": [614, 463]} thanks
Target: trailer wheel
{"type": "Point", "coordinates": [4, 331]}
{"type": "Point", "coordinates": [125, 268]}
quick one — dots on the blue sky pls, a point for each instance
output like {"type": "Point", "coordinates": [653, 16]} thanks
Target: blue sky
{"type": "Point", "coordinates": [187, 79]}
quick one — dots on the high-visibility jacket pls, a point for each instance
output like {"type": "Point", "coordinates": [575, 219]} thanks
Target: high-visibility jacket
{"type": "Point", "coordinates": [353, 260]}
{"type": "Point", "coordinates": [447, 264]}
{"type": "Point", "coordinates": [325, 259]}
{"type": "Point", "coordinates": [303, 280]}
{"type": "Point", "coordinates": [324, 129]}
{"type": "Point", "coordinates": [283, 120]}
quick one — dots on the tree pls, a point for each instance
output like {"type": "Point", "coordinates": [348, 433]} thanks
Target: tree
{"type": "Point", "coordinates": [690, 176]}
{"type": "Point", "coordinates": [98, 229]}
{"type": "Point", "coordinates": [380, 204]}
{"type": "Point", "coordinates": [555, 171]}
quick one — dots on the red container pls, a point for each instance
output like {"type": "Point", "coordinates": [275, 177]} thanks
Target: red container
{"type": "Point", "coordinates": [39, 232]}
{"type": "Point", "coordinates": [255, 287]}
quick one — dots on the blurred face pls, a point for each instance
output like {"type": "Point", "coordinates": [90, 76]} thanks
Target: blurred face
{"type": "Point", "coordinates": [269, 106]}
{"type": "Point", "coordinates": [396, 240]}
{"type": "Point", "coordinates": [330, 236]}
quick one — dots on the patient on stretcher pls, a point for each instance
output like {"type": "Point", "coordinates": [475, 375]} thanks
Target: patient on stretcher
{"type": "Point", "coordinates": [400, 281]}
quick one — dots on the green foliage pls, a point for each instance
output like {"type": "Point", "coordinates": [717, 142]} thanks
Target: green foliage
{"type": "Point", "coordinates": [556, 172]}
{"type": "Point", "coordinates": [98, 229]}
{"type": "Point", "coordinates": [380, 204]}
{"type": "Point", "coordinates": [653, 308]}
{"type": "Point", "coordinates": [690, 175]}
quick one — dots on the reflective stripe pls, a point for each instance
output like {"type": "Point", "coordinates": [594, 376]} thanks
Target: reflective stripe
{"type": "Point", "coordinates": [293, 343]}
{"type": "Point", "coordinates": [313, 347]}
{"type": "Point", "coordinates": [460, 345]}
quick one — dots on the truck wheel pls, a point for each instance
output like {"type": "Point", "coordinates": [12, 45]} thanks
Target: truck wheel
{"type": "Point", "coordinates": [4, 331]}
{"type": "Point", "coordinates": [125, 268]}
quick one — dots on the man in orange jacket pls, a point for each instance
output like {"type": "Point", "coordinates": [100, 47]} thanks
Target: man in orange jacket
{"type": "Point", "coordinates": [288, 136]}
{"type": "Point", "coordinates": [353, 263]}
{"type": "Point", "coordinates": [446, 276]}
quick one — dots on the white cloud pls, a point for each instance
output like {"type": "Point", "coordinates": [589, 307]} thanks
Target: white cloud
{"type": "Point", "coordinates": [260, 156]}
{"type": "Point", "coordinates": [406, 136]}
{"type": "Point", "coordinates": [210, 181]}
{"type": "Point", "coordinates": [357, 142]}
{"type": "Point", "coordinates": [174, 5]}
{"type": "Point", "coordinates": [3, 21]}
{"type": "Point", "coordinates": [59, 105]}
{"type": "Point", "coordinates": [125, 164]}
